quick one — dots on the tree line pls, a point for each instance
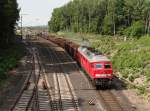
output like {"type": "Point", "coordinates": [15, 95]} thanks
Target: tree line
{"type": "Point", "coordinates": [108, 17]}
{"type": "Point", "coordinates": [9, 13]}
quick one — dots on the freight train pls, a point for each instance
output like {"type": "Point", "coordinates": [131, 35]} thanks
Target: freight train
{"type": "Point", "coordinates": [97, 66]}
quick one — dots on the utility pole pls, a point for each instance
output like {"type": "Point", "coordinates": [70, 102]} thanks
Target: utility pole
{"type": "Point", "coordinates": [21, 29]}
{"type": "Point", "coordinates": [21, 18]}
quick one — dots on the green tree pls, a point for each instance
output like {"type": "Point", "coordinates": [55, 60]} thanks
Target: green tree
{"type": "Point", "coordinates": [109, 17]}
{"type": "Point", "coordinates": [136, 29]}
{"type": "Point", "coordinates": [9, 15]}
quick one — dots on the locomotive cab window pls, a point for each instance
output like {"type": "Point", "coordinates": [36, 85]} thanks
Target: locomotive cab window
{"type": "Point", "coordinates": [107, 66]}
{"type": "Point", "coordinates": [98, 66]}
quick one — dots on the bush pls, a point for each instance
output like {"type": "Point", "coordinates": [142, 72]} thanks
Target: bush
{"type": "Point", "coordinates": [132, 58]}
{"type": "Point", "coordinates": [104, 45]}
{"type": "Point", "coordinates": [142, 89]}
{"type": "Point", "coordinates": [2, 74]}
{"type": "Point", "coordinates": [107, 27]}
{"type": "Point", "coordinates": [9, 58]}
{"type": "Point", "coordinates": [135, 30]}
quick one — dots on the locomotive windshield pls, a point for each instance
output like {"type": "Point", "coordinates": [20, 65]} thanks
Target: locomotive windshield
{"type": "Point", "coordinates": [98, 66]}
{"type": "Point", "coordinates": [107, 66]}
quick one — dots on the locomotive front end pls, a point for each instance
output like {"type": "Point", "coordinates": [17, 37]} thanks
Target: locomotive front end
{"type": "Point", "coordinates": [103, 71]}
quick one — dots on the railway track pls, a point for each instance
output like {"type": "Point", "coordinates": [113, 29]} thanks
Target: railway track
{"type": "Point", "coordinates": [26, 95]}
{"type": "Point", "coordinates": [70, 88]}
{"type": "Point", "coordinates": [62, 96]}
{"type": "Point", "coordinates": [54, 101]}
{"type": "Point", "coordinates": [64, 89]}
{"type": "Point", "coordinates": [110, 101]}
{"type": "Point", "coordinates": [32, 97]}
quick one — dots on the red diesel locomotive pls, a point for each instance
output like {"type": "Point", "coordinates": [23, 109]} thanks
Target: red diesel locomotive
{"type": "Point", "coordinates": [97, 66]}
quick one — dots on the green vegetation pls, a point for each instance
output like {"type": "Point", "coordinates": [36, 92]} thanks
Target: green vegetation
{"type": "Point", "coordinates": [130, 18]}
{"type": "Point", "coordinates": [9, 59]}
{"type": "Point", "coordinates": [9, 52]}
{"type": "Point", "coordinates": [133, 57]}
{"type": "Point", "coordinates": [9, 15]}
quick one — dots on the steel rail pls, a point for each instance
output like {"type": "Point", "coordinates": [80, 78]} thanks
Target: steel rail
{"type": "Point", "coordinates": [70, 90]}
{"type": "Point", "coordinates": [23, 87]}
{"type": "Point", "coordinates": [35, 90]}
{"type": "Point", "coordinates": [45, 81]}
{"type": "Point", "coordinates": [73, 99]}
{"type": "Point", "coordinates": [58, 85]}
{"type": "Point", "coordinates": [110, 100]}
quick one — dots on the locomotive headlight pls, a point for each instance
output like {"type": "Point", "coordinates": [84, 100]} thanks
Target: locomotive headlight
{"type": "Point", "coordinates": [103, 75]}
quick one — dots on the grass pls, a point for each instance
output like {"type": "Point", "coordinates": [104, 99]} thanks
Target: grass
{"type": "Point", "coordinates": [9, 60]}
{"type": "Point", "coordinates": [131, 58]}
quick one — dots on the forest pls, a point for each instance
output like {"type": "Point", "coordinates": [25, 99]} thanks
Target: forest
{"type": "Point", "coordinates": [130, 18]}
{"type": "Point", "coordinates": [9, 13]}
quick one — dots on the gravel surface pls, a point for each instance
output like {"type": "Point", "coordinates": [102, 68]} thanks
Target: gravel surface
{"type": "Point", "coordinates": [138, 102]}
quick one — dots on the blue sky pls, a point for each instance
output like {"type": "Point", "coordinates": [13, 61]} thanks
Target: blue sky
{"type": "Point", "coordinates": [38, 12]}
